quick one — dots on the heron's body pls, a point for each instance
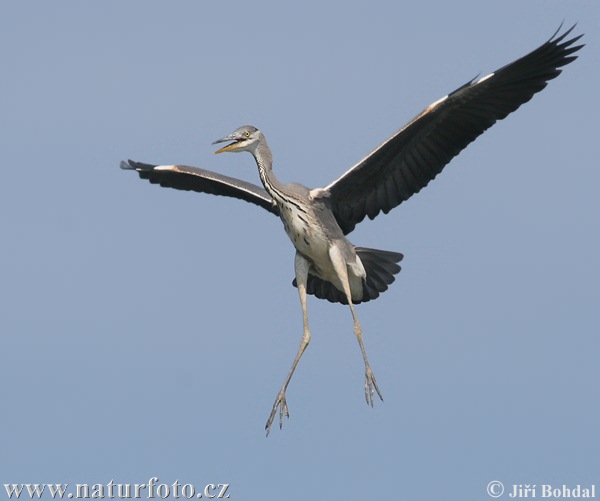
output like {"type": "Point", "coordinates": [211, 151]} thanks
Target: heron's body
{"type": "Point", "coordinates": [313, 230]}
{"type": "Point", "coordinates": [318, 220]}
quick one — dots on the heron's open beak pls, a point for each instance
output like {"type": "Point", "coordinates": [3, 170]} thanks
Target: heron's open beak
{"type": "Point", "coordinates": [230, 147]}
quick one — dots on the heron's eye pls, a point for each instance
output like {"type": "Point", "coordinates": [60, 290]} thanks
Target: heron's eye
{"type": "Point", "coordinates": [247, 134]}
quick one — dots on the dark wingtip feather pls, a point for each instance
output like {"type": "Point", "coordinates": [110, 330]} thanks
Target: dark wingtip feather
{"type": "Point", "coordinates": [556, 40]}
{"type": "Point", "coordinates": [138, 165]}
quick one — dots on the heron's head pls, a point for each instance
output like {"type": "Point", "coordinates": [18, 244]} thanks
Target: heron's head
{"type": "Point", "coordinates": [244, 138]}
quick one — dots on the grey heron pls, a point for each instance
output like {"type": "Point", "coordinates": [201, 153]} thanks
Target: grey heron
{"type": "Point", "coordinates": [318, 220]}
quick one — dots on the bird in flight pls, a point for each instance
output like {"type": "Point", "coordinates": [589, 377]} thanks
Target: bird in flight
{"type": "Point", "coordinates": [318, 220]}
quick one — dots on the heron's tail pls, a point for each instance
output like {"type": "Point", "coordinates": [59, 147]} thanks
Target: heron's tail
{"type": "Point", "coordinates": [380, 266]}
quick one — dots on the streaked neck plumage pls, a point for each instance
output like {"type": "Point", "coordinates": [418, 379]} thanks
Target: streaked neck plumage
{"type": "Point", "coordinates": [264, 160]}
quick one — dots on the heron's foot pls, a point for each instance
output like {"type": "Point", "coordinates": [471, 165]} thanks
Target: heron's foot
{"type": "Point", "coordinates": [371, 386]}
{"type": "Point", "coordinates": [280, 404]}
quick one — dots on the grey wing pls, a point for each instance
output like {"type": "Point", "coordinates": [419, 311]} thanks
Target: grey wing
{"type": "Point", "coordinates": [415, 155]}
{"type": "Point", "coordinates": [183, 177]}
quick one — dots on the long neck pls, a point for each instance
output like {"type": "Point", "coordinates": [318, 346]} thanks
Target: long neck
{"type": "Point", "coordinates": [264, 160]}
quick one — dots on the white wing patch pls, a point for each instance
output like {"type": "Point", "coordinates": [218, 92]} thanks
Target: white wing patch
{"type": "Point", "coordinates": [484, 78]}
{"type": "Point", "coordinates": [317, 192]}
{"type": "Point", "coordinates": [433, 105]}
{"type": "Point", "coordinates": [164, 167]}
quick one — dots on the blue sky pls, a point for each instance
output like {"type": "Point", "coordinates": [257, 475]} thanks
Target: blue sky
{"type": "Point", "coordinates": [145, 332]}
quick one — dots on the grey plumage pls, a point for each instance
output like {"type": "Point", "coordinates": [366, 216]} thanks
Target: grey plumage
{"type": "Point", "coordinates": [317, 221]}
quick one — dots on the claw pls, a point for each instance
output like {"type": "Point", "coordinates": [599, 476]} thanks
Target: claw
{"type": "Point", "coordinates": [371, 387]}
{"type": "Point", "coordinates": [280, 403]}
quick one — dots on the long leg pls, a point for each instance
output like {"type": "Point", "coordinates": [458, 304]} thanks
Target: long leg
{"type": "Point", "coordinates": [341, 268]}
{"type": "Point", "coordinates": [301, 265]}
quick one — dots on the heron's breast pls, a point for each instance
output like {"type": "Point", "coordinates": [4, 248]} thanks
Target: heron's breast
{"type": "Point", "coordinates": [304, 230]}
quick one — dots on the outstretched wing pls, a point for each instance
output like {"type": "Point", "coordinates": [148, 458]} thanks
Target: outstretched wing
{"type": "Point", "coordinates": [183, 177]}
{"type": "Point", "coordinates": [412, 157]}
